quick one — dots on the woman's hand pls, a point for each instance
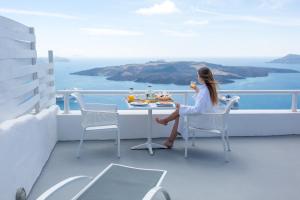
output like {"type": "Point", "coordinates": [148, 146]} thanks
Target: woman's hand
{"type": "Point", "coordinates": [196, 88]}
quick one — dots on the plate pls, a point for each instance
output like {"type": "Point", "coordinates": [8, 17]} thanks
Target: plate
{"type": "Point", "coordinates": [139, 103]}
{"type": "Point", "coordinates": [165, 104]}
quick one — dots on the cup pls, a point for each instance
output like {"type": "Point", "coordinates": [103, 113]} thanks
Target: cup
{"type": "Point", "coordinates": [131, 98]}
{"type": "Point", "coordinates": [193, 84]}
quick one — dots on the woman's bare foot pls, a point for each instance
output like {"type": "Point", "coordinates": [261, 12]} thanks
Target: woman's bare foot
{"type": "Point", "coordinates": [161, 121]}
{"type": "Point", "coordinates": [168, 143]}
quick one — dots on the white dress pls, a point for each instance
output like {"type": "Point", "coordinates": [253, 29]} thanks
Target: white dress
{"type": "Point", "coordinates": [202, 104]}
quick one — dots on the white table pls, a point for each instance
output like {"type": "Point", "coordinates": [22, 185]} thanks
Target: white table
{"type": "Point", "coordinates": [149, 144]}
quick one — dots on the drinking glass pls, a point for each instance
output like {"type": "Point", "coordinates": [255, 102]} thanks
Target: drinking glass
{"type": "Point", "coordinates": [193, 84]}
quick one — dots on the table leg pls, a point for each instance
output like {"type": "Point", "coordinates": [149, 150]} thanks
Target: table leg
{"type": "Point", "coordinates": [149, 144]}
{"type": "Point", "coordinates": [149, 132]}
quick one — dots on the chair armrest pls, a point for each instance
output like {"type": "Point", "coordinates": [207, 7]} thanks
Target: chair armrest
{"type": "Point", "coordinates": [206, 121]}
{"type": "Point", "coordinates": [157, 189]}
{"type": "Point", "coordinates": [59, 185]}
{"type": "Point", "coordinates": [100, 107]}
{"type": "Point", "coordinates": [205, 114]}
{"type": "Point", "coordinates": [207, 117]}
{"type": "Point", "coordinates": [100, 112]}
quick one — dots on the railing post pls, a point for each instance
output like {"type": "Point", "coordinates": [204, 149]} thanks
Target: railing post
{"type": "Point", "coordinates": [66, 103]}
{"type": "Point", "coordinates": [294, 102]}
{"type": "Point", "coordinates": [50, 74]}
{"type": "Point", "coordinates": [50, 56]}
{"type": "Point", "coordinates": [185, 98]}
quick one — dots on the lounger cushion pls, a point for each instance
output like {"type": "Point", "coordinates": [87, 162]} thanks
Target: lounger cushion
{"type": "Point", "coordinates": [122, 183]}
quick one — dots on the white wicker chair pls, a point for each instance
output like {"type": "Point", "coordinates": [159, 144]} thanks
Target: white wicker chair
{"type": "Point", "coordinates": [97, 116]}
{"type": "Point", "coordinates": [215, 123]}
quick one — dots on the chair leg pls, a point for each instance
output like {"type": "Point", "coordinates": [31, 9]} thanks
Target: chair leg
{"type": "Point", "coordinates": [116, 140]}
{"type": "Point", "coordinates": [80, 144]}
{"type": "Point", "coordinates": [118, 143]}
{"type": "Point", "coordinates": [186, 140]}
{"type": "Point", "coordinates": [166, 195]}
{"type": "Point", "coordinates": [152, 194]}
{"type": "Point", "coordinates": [186, 148]}
{"type": "Point", "coordinates": [225, 147]}
{"type": "Point", "coordinates": [227, 140]}
{"type": "Point", "coordinates": [193, 139]}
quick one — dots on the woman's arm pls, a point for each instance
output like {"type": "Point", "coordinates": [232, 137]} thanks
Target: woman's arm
{"type": "Point", "coordinates": [199, 102]}
{"type": "Point", "coordinates": [197, 90]}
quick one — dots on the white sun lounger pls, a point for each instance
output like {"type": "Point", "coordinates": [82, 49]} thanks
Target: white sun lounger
{"type": "Point", "coordinates": [117, 182]}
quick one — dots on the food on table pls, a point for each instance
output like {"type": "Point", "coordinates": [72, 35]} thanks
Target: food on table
{"type": "Point", "coordinates": [139, 103]}
{"type": "Point", "coordinates": [151, 100]}
{"type": "Point", "coordinates": [158, 97]}
{"type": "Point", "coordinates": [165, 102]}
{"type": "Point", "coordinates": [164, 97]}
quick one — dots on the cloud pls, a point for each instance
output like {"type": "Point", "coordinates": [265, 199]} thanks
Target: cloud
{"type": "Point", "coordinates": [110, 32]}
{"type": "Point", "coordinates": [273, 4]}
{"type": "Point", "coordinates": [37, 13]}
{"type": "Point", "coordinates": [209, 12]}
{"type": "Point", "coordinates": [196, 22]}
{"type": "Point", "coordinates": [248, 18]}
{"type": "Point", "coordinates": [164, 8]}
{"type": "Point", "coordinates": [179, 33]}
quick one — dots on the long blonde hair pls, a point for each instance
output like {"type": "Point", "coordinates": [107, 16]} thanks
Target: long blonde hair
{"type": "Point", "coordinates": [207, 76]}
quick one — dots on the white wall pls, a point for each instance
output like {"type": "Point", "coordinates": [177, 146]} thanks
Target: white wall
{"type": "Point", "coordinates": [25, 146]}
{"type": "Point", "coordinates": [26, 140]}
{"type": "Point", "coordinates": [241, 123]}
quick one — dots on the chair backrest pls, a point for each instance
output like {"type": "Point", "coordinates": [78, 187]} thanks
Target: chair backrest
{"type": "Point", "coordinates": [213, 121]}
{"type": "Point", "coordinates": [231, 103]}
{"type": "Point", "coordinates": [79, 100]}
{"type": "Point", "coordinates": [227, 110]}
{"type": "Point", "coordinates": [101, 115]}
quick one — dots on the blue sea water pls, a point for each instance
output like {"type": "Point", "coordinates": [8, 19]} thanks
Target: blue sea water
{"type": "Point", "coordinates": [64, 80]}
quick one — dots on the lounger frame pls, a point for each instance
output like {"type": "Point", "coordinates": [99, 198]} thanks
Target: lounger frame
{"type": "Point", "coordinates": [149, 195]}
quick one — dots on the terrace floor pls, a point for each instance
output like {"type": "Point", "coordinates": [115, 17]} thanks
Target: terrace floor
{"type": "Point", "coordinates": [261, 168]}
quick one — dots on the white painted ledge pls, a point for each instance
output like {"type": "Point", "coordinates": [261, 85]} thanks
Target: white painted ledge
{"type": "Point", "coordinates": [25, 146]}
{"type": "Point", "coordinates": [133, 124]}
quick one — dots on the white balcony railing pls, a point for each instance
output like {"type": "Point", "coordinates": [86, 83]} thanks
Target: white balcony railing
{"type": "Point", "coordinates": [185, 93]}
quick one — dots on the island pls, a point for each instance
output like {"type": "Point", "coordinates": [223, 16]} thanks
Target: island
{"type": "Point", "coordinates": [56, 59]}
{"type": "Point", "coordinates": [179, 72]}
{"type": "Point", "coordinates": [61, 59]}
{"type": "Point", "coordinates": [288, 59]}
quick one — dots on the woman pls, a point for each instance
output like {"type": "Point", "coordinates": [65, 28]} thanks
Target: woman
{"type": "Point", "coordinates": [205, 97]}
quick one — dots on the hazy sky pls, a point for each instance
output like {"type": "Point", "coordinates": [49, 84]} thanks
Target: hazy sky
{"type": "Point", "coordinates": [161, 28]}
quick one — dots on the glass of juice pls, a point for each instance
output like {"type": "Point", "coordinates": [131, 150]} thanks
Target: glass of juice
{"type": "Point", "coordinates": [131, 97]}
{"type": "Point", "coordinates": [193, 84]}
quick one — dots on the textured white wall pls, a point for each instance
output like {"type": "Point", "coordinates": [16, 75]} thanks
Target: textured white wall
{"type": "Point", "coordinates": [241, 123]}
{"type": "Point", "coordinates": [25, 146]}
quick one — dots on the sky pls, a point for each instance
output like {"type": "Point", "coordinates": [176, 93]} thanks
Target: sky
{"type": "Point", "coordinates": [160, 28]}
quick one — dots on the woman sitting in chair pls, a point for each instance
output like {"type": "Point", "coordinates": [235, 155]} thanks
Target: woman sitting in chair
{"type": "Point", "coordinates": [205, 97]}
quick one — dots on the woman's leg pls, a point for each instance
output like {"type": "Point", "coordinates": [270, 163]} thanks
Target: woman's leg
{"type": "Point", "coordinates": [174, 115]}
{"type": "Point", "coordinates": [170, 140]}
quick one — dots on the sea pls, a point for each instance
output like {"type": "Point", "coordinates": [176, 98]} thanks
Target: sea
{"type": "Point", "coordinates": [274, 81]}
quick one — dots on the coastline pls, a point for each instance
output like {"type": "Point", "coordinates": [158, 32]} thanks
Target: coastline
{"type": "Point", "coordinates": [274, 81]}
